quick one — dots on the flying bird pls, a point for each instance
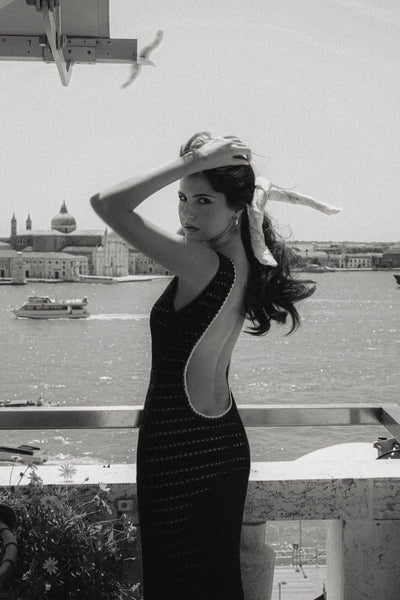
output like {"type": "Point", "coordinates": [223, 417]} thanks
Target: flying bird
{"type": "Point", "coordinates": [143, 58]}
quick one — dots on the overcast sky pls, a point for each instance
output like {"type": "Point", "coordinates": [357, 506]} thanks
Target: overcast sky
{"type": "Point", "coordinates": [311, 85]}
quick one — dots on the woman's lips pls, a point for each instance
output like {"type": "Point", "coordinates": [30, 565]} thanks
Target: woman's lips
{"type": "Point", "coordinates": [191, 228]}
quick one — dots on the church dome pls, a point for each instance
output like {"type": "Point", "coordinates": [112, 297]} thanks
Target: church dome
{"type": "Point", "coordinates": [63, 221]}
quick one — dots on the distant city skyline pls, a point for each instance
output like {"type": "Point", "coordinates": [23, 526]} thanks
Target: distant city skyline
{"type": "Point", "coordinates": [310, 85]}
{"type": "Point", "coordinates": [21, 226]}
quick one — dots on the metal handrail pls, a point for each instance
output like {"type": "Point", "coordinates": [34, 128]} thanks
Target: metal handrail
{"type": "Point", "coordinates": [253, 415]}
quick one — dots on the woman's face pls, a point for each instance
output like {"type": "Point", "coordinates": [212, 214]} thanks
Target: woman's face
{"type": "Point", "coordinates": [203, 212]}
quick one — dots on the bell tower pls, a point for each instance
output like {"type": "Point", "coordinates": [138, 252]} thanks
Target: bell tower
{"type": "Point", "coordinates": [13, 227]}
{"type": "Point", "coordinates": [29, 223]}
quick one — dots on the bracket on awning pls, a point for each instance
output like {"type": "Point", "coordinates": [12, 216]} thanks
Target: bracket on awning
{"type": "Point", "coordinates": [61, 31]}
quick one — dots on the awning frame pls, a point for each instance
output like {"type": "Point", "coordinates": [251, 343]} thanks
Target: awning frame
{"type": "Point", "coordinates": [64, 50]}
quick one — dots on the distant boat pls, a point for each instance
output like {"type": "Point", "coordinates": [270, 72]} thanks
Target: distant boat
{"type": "Point", "coordinates": [24, 453]}
{"type": "Point", "coordinates": [43, 307]}
{"type": "Point", "coordinates": [23, 403]}
{"type": "Point", "coordinates": [397, 278]}
{"type": "Point", "coordinates": [97, 279]}
{"type": "Point", "coordinates": [313, 268]}
{"type": "Point", "coordinates": [10, 281]}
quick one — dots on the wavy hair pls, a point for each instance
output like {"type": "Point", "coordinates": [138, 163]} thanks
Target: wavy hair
{"type": "Point", "coordinates": [271, 292]}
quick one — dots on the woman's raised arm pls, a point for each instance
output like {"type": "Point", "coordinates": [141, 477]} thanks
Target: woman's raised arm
{"type": "Point", "coordinates": [116, 207]}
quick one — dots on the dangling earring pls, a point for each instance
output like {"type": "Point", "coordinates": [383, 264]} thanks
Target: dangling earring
{"type": "Point", "coordinates": [236, 222]}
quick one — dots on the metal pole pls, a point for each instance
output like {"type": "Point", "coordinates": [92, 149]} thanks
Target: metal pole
{"type": "Point", "coordinates": [300, 547]}
{"type": "Point", "coordinates": [280, 584]}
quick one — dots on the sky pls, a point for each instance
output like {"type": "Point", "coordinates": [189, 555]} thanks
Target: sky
{"type": "Point", "coordinates": [312, 86]}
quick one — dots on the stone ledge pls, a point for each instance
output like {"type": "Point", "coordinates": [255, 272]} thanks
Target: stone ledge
{"type": "Point", "coordinates": [340, 482]}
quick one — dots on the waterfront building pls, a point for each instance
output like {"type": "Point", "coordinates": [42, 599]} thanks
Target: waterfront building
{"type": "Point", "coordinates": [391, 257]}
{"type": "Point", "coordinates": [105, 253]}
{"type": "Point", "coordinates": [116, 258]}
{"type": "Point", "coordinates": [366, 260]}
{"type": "Point", "coordinates": [17, 269]}
{"type": "Point", "coordinates": [54, 265]}
{"type": "Point", "coordinates": [141, 264]}
{"type": "Point", "coordinates": [63, 232]}
{"type": "Point", "coordinates": [112, 258]}
{"type": "Point", "coordinates": [6, 256]}
{"type": "Point", "coordinates": [350, 255]}
{"type": "Point", "coordinates": [41, 265]}
{"type": "Point", "coordinates": [329, 247]}
{"type": "Point", "coordinates": [306, 255]}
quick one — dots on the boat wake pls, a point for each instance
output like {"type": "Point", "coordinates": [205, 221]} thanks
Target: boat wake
{"type": "Point", "coordinates": [118, 317]}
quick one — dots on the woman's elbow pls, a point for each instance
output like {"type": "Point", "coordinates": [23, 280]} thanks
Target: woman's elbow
{"type": "Point", "coordinates": [105, 207]}
{"type": "Point", "coordinates": [98, 204]}
{"type": "Point", "coordinates": [95, 200]}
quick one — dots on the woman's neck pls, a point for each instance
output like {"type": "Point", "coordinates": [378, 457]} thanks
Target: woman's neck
{"type": "Point", "coordinates": [225, 238]}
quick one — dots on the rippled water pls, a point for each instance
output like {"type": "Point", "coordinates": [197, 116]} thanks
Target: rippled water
{"type": "Point", "coordinates": [347, 350]}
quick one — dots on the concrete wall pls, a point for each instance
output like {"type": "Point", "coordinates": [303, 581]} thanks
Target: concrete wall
{"type": "Point", "coordinates": [345, 485]}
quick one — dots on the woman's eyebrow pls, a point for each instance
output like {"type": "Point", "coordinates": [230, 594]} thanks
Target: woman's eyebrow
{"type": "Point", "coordinates": [201, 195]}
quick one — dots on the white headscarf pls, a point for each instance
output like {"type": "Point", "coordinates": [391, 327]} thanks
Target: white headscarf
{"type": "Point", "coordinates": [264, 191]}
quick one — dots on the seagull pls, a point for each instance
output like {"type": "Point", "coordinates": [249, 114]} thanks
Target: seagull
{"type": "Point", "coordinates": [143, 58]}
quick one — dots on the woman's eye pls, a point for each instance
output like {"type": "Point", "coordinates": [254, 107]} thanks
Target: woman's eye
{"type": "Point", "coordinates": [181, 198]}
{"type": "Point", "coordinates": [204, 201]}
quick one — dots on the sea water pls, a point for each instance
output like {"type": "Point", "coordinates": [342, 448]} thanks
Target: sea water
{"type": "Point", "coordinates": [347, 350]}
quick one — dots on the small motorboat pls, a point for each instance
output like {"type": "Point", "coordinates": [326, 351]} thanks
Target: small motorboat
{"type": "Point", "coordinates": [25, 454]}
{"type": "Point", "coordinates": [24, 403]}
{"type": "Point", "coordinates": [397, 278]}
{"type": "Point", "coordinates": [314, 268]}
{"type": "Point", "coordinates": [43, 307]}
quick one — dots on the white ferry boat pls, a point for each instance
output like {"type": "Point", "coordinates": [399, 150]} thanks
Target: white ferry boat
{"type": "Point", "coordinates": [43, 307]}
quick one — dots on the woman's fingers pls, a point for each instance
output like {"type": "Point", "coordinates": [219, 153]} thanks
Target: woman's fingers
{"type": "Point", "coordinates": [236, 146]}
{"type": "Point", "coordinates": [242, 152]}
{"type": "Point", "coordinates": [234, 142]}
{"type": "Point", "coordinates": [226, 151]}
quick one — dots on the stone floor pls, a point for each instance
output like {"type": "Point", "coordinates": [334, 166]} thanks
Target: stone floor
{"type": "Point", "coordinates": [299, 587]}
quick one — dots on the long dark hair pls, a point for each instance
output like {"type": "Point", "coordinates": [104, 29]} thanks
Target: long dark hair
{"type": "Point", "coordinates": [271, 292]}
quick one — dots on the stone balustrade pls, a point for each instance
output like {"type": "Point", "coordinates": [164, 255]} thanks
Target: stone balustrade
{"type": "Point", "coordinates": [344, 485]}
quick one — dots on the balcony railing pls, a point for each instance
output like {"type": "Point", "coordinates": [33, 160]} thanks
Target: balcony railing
{"type": "Point", "coordinates": [253, 415]}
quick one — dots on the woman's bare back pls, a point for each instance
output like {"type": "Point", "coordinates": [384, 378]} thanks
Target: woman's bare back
{"type": "Point", "coordinates": [206, 375]}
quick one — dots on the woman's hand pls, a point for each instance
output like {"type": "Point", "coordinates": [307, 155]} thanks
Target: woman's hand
{"type": "Point", "coordinates": [220, 152]}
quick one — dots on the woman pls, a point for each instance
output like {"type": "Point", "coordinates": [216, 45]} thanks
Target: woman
{"type": "Point", "coordinates": [193, 456]}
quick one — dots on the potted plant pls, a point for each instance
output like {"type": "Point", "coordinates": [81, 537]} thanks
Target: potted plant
{"type": "Point", "coordinates": [69, 547]}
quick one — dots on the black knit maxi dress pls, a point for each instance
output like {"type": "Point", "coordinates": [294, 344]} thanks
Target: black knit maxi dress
{"type": "Point", "coordinates": [192, 469]}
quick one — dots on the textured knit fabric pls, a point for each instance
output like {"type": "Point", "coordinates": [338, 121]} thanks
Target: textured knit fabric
{"type": "Point", "coordinates": [192, 469]}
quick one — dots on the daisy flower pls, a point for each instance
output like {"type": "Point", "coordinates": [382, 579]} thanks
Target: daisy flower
{"type": "Point", "coordinates": [34, 477]}
{"type": "Point", "coordinates": [48, 501]}
{"type": "Point", "coordinates": [50, 565]}
{"type": "Point", "coordinates": [60, 497]}
{"type": "Point", "coordinates": [67, 471]}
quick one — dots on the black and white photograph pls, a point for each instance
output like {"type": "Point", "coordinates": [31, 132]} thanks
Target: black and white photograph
{"type": "Point", "coordinates": [199, 300]}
